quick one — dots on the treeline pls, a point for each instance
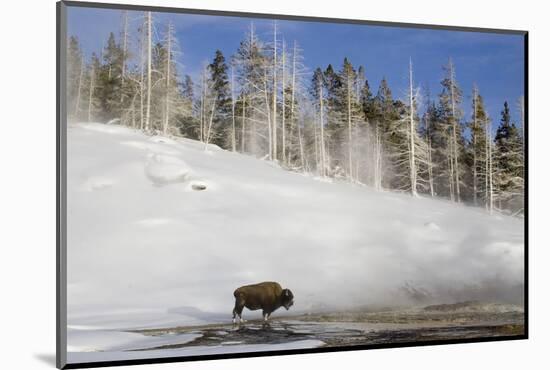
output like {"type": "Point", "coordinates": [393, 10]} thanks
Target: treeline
{"type": "Point", "coordinates": [264, 102]}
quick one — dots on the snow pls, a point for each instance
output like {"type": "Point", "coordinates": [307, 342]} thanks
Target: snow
{"type": "Point", "coordinates": [79, 357]}
{"type": "Point", "coordinates": [164, 169]}
{"type": "Point", "coordinates": [112, 340]}
{"type": "Point", "coordinates": [146, 249]}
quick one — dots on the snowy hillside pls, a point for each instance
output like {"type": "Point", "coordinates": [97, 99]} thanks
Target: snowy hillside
{"type": "Point", "coordinates": [147, 247]}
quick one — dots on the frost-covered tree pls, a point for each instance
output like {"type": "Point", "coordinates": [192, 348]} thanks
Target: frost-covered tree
{"type": "Point", "coordinates": [429, 120]}
{"type": "Point", "coordinates": [349, 118]}
{"type": "Point", "coordinates": [251, 71]}
{"type": "Point", "coordinates": [147, 47]}
{"type": "Point", "coordinates": [319, 98]}
{"type": "Point", "coordinates": [266, 103]}
{"type": "Point", "coordinates": [296, 100]}
{"type": "Point", "coordinates": [406, 149]}
{"type": "Point", "coordinates": [175, 105]}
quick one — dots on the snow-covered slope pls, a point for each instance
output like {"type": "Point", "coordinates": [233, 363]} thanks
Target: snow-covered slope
{"type": "Point", "coordinates": [147, 249]}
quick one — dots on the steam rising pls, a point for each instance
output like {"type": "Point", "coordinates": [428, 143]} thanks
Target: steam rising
{"type": "Point", "coordinates": [335, 245]}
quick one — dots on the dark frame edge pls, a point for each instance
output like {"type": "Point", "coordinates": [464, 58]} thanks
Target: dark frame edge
{"type": "Point", "coordinates": [526, 181]}
{"type": "Point", "coordinates": [61, 143]}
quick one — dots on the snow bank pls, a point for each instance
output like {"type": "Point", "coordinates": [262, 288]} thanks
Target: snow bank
{"type": "Point", "coordinates": [141, 238]}
{"type": "Point", "coordinates": [163, 169]}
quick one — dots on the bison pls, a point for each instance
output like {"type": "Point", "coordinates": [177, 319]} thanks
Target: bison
{"type": "Point", "coordinates": [267, 296]}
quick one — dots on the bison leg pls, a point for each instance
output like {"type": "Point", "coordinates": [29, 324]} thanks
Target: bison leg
{"type": "Point", "coordinates": [238, 310]}
{"type": "Point", "coordinates": [266, 315]}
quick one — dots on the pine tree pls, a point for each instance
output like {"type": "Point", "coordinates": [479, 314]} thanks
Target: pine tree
{"type": "Point", "coordinates": [187, 121]}
{"type": "Point", "coordinates": [477, 152]}
{"type": "Point", "coordinates": [450, 101]}
{"type": "Point", "coordinates": [508, 163]}
{"type": "Point", "coordinates": [93, 103]}
{"type": "Point", "coordinates": [221, 89]}
{"type": "Point", "coordinates": [367, 103]}
{"type": "Point", "coordinates": [350, 117]}
{"type": "Point", "coordinates": [386, 112]}
{"type": "Point", "coordinates": [75, 77]}
{"type": "Point", "coordinates": [109, 81]}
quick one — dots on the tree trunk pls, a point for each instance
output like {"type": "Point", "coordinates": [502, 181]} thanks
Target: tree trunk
{"type": "Point", "coordinates": [283, 128]}
{"type": "Point", "coordinates": [233, 133]}
{"type": "Point", "coordinates": [455, 139]}
{"type": "Point", "coordinates": [349, 132]}
{"type": "Point", "coordinates": [491, 193]}
{"type": "Point", "coordinates": [269, 128]}
{"type": "Point", "coordinates": [91, 94]}
{"type": "Point", "coordinates": [167, 94]}
{"type": "Point", "coordinates": [474, 139]}
{"type": "Point", "coordinates": [243, 123]}
{"type": "Point", "coordinates": [302, 155]}
{"type": "Point", "coordinates": [210, 123]}
{"type": "Point", "coordinates": [322, 124]}
{"type": "Point", "coordinates": [412, 134]}
{"type": "Point", "coordinates": [77, 103]}
{"type": "Point", "coordinates": [292, 99]}
{"type": "Point", "coordinates": [124, 53]}
{"type": "Point", "coordinates": [274, 120]}
{"type": "Point", "coordinates": [148, 104]}
{"type": "Point", "coordinates": [203, 105]}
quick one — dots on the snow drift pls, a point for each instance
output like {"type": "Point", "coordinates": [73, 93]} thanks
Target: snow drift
{"type": "Point", "coordinates": [145, 248]}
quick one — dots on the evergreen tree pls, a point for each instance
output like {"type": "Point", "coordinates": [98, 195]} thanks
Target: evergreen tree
{"type": "Point", "coordinates": [75, 78]}
{"type": "Point", "coordinates": [109, 81]}
{"type": "Point", "coordinates": [477, 149]}
{"type": "Point", "coordinates": [187, 88]}
{"type": "Point", "coordinates": [332, 85]}
{"type": "Point", "coordinates": [450, 113]}
{"type": "Point", "coordinates": [367, 103]}
{"type": "Point", "coordinates": [219, 82]}
{"type": "Point", "coordinates": [92, 102]}
{"type": "Point", "coordinates": [508, 163]}
{"type": "Point", "coordinates": [187, 118]}
{"type": "Point", "coordinates": [386, 113]}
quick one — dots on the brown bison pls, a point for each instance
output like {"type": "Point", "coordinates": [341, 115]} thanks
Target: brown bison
{"type": "Point", "coordinates": [267, 296]}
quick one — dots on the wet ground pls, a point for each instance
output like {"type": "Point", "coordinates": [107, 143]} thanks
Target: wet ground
{"type": "Point", "coordinates": [444, 322]}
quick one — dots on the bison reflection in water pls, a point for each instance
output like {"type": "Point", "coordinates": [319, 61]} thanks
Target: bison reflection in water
{"type": "Point", "coordinates": [268, 296]}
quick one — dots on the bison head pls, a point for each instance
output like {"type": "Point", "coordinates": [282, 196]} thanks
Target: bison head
{"type": "Point", "coordinates": [288, 298]}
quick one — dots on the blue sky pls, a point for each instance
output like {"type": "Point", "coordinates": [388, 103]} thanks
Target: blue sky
{"type": "Point", "coordinates": [495, 62]}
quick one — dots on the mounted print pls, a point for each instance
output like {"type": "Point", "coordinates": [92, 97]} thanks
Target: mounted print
{"type": "Point", "coordinates": [235, 184]}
